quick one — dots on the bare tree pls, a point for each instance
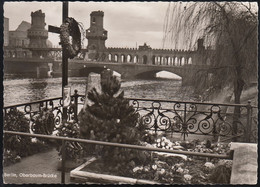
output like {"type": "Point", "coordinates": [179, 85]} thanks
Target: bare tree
{"type": "Point", "coordinates": [230, 28]}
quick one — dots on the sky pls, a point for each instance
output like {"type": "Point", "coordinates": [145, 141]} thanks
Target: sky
{"type": "Point", "coordinates": [129, 24]}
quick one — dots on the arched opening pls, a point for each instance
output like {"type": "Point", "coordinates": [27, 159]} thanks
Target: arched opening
{"type": "Point", "coordinates": [189, 60]}
{"type": "Point", "coordinates": [176, 61]}
{"type": "Point", "coordinates": [109, 57]}
{"type": "Point", "coordinates": [144, 59]}
{"type": "Point", "coordinates": [172, 61]}
{"type": "Point", "coordinates": [153, 60]}
{"type": "Point", "coordinates": [159, 60]}
{"type": "Point", "coordinates": [129, 58]}
{"type": "Point", "coordinates": [162, 60]}
{"type": "Point", "coordinates": [168, 75]}
{"type": "Point", "coordinates": [135, 59]}
{"type": "Point", "coordinates": [166, 61]}
{"type": "Point", "coordinates": [116, 58]}
{"type": "Point", "coordinates": [123, 58]}
{"type": "Point", "coordinates": [169, 61]}
{"type": "Point", "coordinates": [182, 61]}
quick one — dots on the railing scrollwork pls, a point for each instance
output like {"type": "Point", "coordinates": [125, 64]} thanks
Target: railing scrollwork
{"type": "Point", "coordinates": [174, 117]}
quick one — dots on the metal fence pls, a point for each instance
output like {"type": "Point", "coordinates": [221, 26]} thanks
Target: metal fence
{"type": "Point", "coordinates": [137, 147]}
{"type": "Point", "coordinates": [169, 116]}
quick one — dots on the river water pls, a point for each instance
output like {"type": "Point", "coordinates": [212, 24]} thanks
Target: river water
{"type": "Point", "coordinates": [17, 91]}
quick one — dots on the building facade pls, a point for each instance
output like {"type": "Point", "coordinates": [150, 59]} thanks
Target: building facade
{"type": "Point", "coordinates": [6, 31]}
{"type": "Point", "coordinates": [28, 40]}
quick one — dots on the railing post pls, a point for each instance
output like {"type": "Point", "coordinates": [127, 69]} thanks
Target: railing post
{"type": "Point", "coordinates": [155, 125]}
{"type": "Point", "coordinates": [63, 161]}
{"type": "Point", "coordinates": [184, 124]}
{"type": "Point", "coordinates": [249, 121]}
{"type": "Point", "coordinates": [76, 95]}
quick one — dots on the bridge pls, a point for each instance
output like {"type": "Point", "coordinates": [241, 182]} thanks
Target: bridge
{"type": "Point", "coordinates": [143, 62]}
{"type": "Point", "coordinates": [43, 67]}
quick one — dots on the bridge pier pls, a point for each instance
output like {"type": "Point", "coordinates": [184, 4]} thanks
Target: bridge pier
{"type": "Point", "coordinates": [187, 81]}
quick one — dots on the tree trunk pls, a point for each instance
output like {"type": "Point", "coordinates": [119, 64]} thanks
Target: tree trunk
{"type": "Point", "coordinates": [238, 88]}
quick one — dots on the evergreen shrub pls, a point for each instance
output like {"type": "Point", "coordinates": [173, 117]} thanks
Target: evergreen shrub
{"type": "Point", "coordinates": [111, 119]}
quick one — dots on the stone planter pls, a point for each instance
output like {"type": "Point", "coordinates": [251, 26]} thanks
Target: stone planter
{"type": "Point", "coordinates": [79, 176]}
{"type": "Point", "coordinates": [69, 165]}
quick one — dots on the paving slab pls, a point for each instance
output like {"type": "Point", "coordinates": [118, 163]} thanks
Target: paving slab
{"type": "Point", "coordinates": [244, 167]}
{"type": "Point", "coordinates": [40, 168]}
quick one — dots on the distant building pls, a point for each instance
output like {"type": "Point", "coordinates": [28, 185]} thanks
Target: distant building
{"type": "Point", "coordinates": [6, 31]}
{"type": "Point", "coordinates": [27, 35]}
{"type": "Point", "coordinates": [18, 38]}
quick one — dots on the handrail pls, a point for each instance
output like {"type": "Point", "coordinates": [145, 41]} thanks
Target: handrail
{"type": "Point", "coordinates": [140, 99]}
{"type": "Point", "coordinates": [33, 102]}
{"type": "Point", "coordinates": [120, 145]}
{"type": "Point", "coordinates": [64, 139]}
{"type": "Point", "coordinates": [189, 102]}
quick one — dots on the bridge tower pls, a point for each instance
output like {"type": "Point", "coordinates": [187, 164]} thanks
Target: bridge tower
{"type": "Point", "coordinates": [38, 35]}
{"type": "Point", "coordinates": [96, 36]}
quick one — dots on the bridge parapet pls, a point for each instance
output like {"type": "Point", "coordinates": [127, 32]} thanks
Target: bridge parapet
{"type": "Point", "coordinates": [118, 49]}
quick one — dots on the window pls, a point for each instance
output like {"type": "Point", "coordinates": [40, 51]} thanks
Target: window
{"type": "Point", "coordinates": [93, 20]}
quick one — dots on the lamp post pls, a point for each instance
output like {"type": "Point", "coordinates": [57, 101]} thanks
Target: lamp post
{"type": "Point", "coordinates": [65, 12]}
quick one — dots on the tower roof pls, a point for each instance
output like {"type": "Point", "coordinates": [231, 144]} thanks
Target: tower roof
{"type": "Point", "coordinates": [97, 13]}
{"type": "Point", "coordinates": [24, 26]}
{"type": "Point", "coordinates": [38, 13]}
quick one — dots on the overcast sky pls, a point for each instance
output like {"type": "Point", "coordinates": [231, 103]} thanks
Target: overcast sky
{"type": "Point", "coordinates": [127, 23]}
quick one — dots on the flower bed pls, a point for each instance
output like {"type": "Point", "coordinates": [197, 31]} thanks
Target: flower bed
{"type": "Point", "coordinates": [110, 118]}
{"type": "Point", "coordinates": [17, 147]}
{"type": "Point", "coordinates": [165, 167]}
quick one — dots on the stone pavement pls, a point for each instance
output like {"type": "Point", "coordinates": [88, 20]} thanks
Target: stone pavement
{"type": "Point", "coordinates": [42, 167]}
{"type": "Point", "coordinates": [244, 167]}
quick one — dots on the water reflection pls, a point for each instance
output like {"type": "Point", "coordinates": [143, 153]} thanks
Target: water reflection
{"type": "Point", "coordinates": [37, 89]}
{"type": "Point", "coordinates": [17, 91]}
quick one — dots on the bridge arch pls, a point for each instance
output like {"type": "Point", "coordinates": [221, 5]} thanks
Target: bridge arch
{"type": "Point", "coordinates": [153, 74]}
{"type": "Point", "coordinates": [168, 75]}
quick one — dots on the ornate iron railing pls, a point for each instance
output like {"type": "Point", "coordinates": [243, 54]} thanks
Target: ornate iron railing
{"type": "Point", "coordinates": [186, 117]}
{"type": "Point", "coordinates": [169, 116]}
{"type": "Point", "coordinates": [54, 105]}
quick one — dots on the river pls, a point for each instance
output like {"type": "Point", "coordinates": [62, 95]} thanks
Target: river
{"type": "Point", "coordinates": [24, 90]}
